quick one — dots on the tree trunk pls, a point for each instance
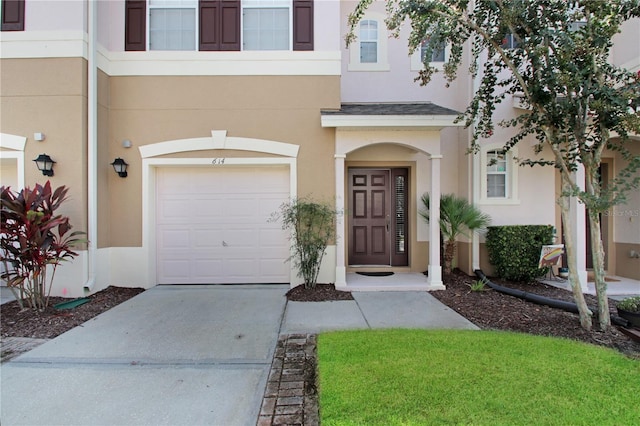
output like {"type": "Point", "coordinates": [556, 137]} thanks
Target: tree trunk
{"type": "Point", "coordinates": [604, 317]}
{"type": "Point", "coordinates": [449, 254]}
{"type": "Point", "coordinates": [572, 260]}
{"type": "Point", "coordinates": [592, 185]}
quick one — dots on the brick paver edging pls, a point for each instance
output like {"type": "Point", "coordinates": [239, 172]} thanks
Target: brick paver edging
{"type": "Point", "coordinates": [291, 397]}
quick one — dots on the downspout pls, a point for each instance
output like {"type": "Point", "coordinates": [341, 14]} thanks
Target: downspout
{"type": "Point", "coordinates": [475, 162]}
{"type": "Point", "coordinates": [92, 146]}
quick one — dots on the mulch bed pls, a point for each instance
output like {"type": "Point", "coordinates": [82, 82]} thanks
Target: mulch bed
{"type": "Point", "coordinates": [16, 322]}
{"type": "Point", "coordinates": [320, 293]}
{"type": "Point", "coordinates": [493, 310]}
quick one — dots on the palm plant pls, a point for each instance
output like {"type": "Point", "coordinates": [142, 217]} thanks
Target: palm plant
{"type": "Point", "coordinates": [457, 217]}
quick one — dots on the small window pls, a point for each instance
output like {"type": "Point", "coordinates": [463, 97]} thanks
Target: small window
{"type": "Point", "coordinates": [496, 174]}
{"type": "Point", "coordinates": [368, 41]}
{"type": "Point", "coordinates": [369, 52]}
{"type": "Point", "coordinates": [172, 24]}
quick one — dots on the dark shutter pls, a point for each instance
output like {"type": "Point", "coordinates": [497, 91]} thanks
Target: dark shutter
{"type": "Point", "coordinates": [209, 14]}
{"type": "Point", "coordinates": [302, 24]}
{"type": "Point", "coordinates": [135, 29]}
{"type": "Point", "coordinates": [219, 24]}
{"type": "Point", "coordinates": [12, 15]}
{"type": "Point", "coordinates": [230, 25]}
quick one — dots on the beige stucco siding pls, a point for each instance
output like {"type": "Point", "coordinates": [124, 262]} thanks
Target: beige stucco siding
{"type": "Point", "coordinates": [148, 110]}
{"type": "Point", "coordinates": [49, 96]}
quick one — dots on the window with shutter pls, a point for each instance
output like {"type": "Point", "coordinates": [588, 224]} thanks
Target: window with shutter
{"type": "Point", "coordinates": [173, 24]}
{"type": "Point", "coordinates": [12, 15]}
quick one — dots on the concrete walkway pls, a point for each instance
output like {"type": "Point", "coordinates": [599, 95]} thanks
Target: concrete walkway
{"type": "Point", "coordinates": [186, 355]}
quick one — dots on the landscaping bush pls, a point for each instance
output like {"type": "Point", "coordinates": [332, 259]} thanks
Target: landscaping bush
{"type": "Point", "coordinates": [312, 226]}
{"type": "Point", "coordinates": [514, 250]}
{"type": "Point", "coordinates": [34, 240]}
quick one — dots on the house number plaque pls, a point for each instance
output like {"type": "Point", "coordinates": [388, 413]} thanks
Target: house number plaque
{"type": "Point", "coordinates": [217, 161]}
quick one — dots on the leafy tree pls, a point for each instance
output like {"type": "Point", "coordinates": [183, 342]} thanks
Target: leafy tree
{"type": "Point", "coordinates": [312, 226]}
{"type": "Point", "coordinates": [558, 64]}
{"type": "Point", "coordinates": [456, 217]}
{"type": "Point", "coordinates": [33, 241]}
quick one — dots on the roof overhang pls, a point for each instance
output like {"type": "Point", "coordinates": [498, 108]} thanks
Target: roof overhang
{"type": "Point", "coordinates": [405, 116]}
{"type": "Point", "coordinates": [422, 122]}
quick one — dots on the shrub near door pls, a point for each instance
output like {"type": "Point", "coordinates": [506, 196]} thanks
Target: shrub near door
{"type": "Point", "coordinates": [514, 250]}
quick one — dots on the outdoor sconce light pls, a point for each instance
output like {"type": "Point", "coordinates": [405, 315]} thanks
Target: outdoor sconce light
{"type": "Point", "coordinates": [120, 166]}
{"type": "Point", "coordinates": [45, 164]}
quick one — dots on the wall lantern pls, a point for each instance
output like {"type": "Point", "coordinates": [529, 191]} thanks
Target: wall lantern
{"type": "Point", "coordinates": [120, 166]}
{"type": "Point", "coordinates": [45, 164]}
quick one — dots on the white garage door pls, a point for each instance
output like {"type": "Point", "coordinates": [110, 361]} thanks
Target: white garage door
{"type": "Point", "coordinates": [213, 228]}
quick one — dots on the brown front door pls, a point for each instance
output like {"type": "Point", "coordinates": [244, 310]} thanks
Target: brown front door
{"type": "Point", "coordinates": [377, 217]}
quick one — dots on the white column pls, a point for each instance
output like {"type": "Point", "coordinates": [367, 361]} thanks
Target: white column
{"type": "Point", "coordinates": [578, 217]}
{"type": "Point", "coordinates": [435, 269]}
{"type": "Point", "coordinates": [341, 269]}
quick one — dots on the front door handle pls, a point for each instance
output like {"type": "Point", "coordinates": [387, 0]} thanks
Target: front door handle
{"type": "Point", "coordinates": [387, 223]}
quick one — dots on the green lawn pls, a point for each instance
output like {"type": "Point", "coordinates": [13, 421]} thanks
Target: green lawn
{"type": "Point", "coordinates": [424, 377]}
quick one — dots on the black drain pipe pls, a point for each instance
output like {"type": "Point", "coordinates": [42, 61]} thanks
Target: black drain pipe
{"type": "Point", "coordinates": [541, 300]}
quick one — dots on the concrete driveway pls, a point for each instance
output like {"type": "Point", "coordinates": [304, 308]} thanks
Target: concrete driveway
{"type": "Point", "coordinates": [187, 355]}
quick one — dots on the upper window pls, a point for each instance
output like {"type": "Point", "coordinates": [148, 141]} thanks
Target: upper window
{"type": "Point", "coordinates": [12, 15]}
{"type": "Point", "coordinates": [172, 24]}
{"type": "Point", "coordinates": [218, 25]}
{"type": "Point", "coordinates": [368, 41]}
{"type": "Point", "coordinates": [266, 24]}
{"type": "Point", "coordinates": [369, 52]}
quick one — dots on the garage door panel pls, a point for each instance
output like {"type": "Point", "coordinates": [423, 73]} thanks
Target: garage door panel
{"type": "Point", "coordinates": [205, 268]}
{"type": "Point", "coordinates": [208, 238]}
{"type": "Point", "coordinates": [174, 268]}
{"type": "Point", "coordinates": [213, 225]}
{"type": "Point", "coordinates": [272, 238]}
{"type": "Point", "coordinates": [173, 238]}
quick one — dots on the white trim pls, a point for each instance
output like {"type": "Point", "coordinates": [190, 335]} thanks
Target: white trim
{"type": "Point", "coordinates": [219, 140]}
{"type": "Point", "coordinates": [19, 157]}
{"type": "Point", "coordinates": [43, 44]}
{"type": "Point", "coordinates": [432, 122]}
{"type": "Point", "coordinates": [383, 50]}
{"type": "Point", "coordinates": [249, 62]}
{"type": "Point", "coordinates": [14, 142]}
{"type": "Point", "coordinates": [74, 44]}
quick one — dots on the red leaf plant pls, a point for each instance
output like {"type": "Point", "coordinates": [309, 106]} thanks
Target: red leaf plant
{"type": "Point", "coordinates": [34, 240]}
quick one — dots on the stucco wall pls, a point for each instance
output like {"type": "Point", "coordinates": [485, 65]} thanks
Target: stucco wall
{"type": "Point", "coordinates": [49, 96]}
{"type": "Point", "coordinates": [147, 110]}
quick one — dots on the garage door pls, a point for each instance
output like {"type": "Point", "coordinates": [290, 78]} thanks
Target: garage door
{"type": "Point", "coordinates": [212, 225]}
